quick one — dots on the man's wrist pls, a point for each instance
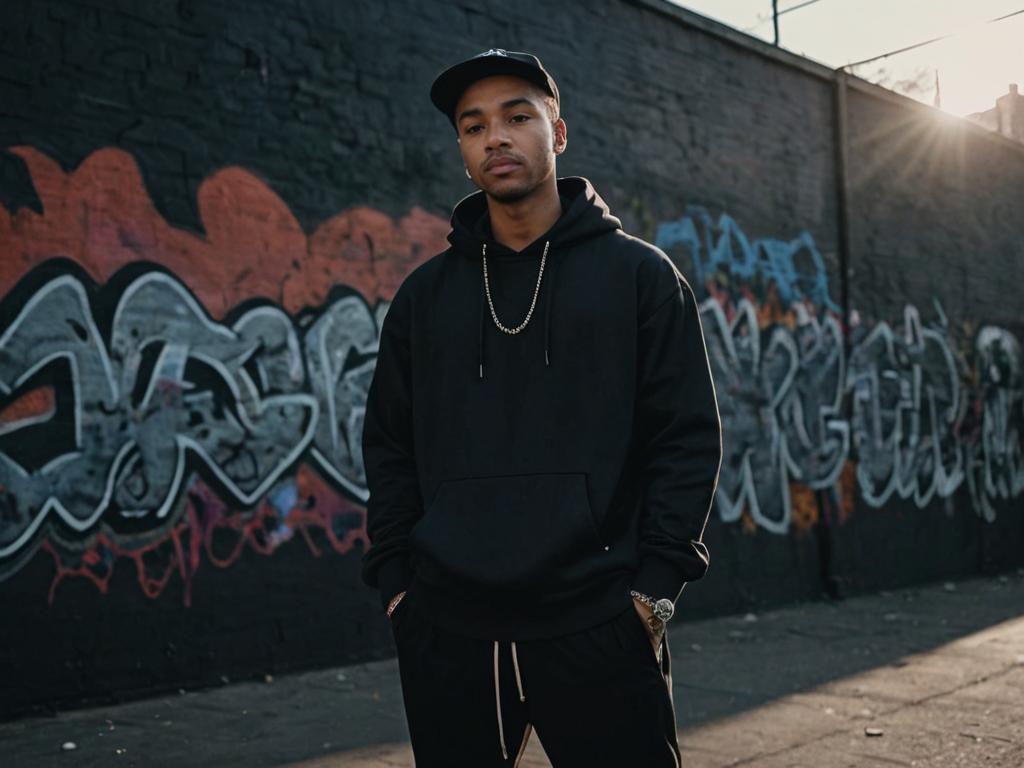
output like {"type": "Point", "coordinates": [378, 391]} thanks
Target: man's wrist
{"type": "Point", "coordinates": [661, 607]}
{"type": "Point", "coordinates": [643, 607]}
{"type": "Point", "coordinates": [654, 625]}
{"type": "Point", "coordinates": [656, 612]}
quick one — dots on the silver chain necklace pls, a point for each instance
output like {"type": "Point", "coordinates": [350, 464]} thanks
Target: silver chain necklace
{"type": "Point", "coordinates": [536, 292]}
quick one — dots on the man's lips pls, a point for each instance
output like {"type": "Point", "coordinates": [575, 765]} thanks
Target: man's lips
{"type": "Point", "coordinates": [503, 165]}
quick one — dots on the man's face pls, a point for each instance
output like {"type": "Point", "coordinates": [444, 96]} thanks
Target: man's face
{"type": "Point", "coordinates": [506, 136]}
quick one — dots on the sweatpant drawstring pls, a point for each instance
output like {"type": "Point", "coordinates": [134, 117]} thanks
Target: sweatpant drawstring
{"type": "Point", "coordinates": [515, 664]}
{"type": "Point", "coordinates": [497, 693]}
{"type": "Point", "coordinates": [497, 701]}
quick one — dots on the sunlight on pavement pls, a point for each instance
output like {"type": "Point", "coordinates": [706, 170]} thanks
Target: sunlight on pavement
{"type": "Point", "coordinates": [956, 705]}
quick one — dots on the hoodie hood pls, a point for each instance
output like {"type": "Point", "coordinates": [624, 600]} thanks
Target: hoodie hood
{"type": "Point", "coordinates": [584, 216]}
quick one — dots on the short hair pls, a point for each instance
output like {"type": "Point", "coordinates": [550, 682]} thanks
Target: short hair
{"type": "Point", "coordinates": [552, 104]}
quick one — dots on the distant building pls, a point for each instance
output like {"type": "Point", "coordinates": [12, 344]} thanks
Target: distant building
{"type": "Point", "coordinates": [1007, 117]}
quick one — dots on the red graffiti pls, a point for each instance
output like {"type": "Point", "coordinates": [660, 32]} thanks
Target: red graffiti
{"type": "Point", "coordinates": [36, 404]}
{"type": "Point", "coordinates": [190, 542]}
{"type": "Point", "coordinates": [101, 216]}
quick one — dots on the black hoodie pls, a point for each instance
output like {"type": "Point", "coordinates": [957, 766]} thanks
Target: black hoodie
{"type": "Point", "coordinates": [521, 484]}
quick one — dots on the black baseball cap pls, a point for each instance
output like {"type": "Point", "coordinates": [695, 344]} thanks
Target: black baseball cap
{"type": "Point", "coordinates": [450, 84]}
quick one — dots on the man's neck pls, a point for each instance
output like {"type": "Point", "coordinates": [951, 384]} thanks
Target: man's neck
{"type": "Point", "coordinates": [516, 225]}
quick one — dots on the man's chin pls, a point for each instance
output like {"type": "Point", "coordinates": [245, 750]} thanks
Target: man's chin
{"type": "Point", "coordinates": [511, 193]}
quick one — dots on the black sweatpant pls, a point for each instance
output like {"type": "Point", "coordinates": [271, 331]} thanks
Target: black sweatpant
{"type": "Point", "coordinates": [598, 698]}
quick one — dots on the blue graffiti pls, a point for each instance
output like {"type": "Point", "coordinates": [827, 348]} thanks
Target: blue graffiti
{"type": "Point", "coordinates": [795, 266]}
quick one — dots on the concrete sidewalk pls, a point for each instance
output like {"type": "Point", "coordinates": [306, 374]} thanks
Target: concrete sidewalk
{"type": "Point", "coordinates": [929, 677]}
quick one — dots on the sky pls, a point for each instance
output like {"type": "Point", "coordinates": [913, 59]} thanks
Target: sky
{"type": "Point", "coordinates": [974, 67]}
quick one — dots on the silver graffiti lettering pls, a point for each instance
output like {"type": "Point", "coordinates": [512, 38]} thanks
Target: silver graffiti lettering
{"type": "Point", "coordinates": [174, 391]}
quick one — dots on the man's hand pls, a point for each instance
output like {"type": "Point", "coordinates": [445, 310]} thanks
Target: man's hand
{"type": "Point", "coordinates": [393, 603]}
{"type": "Point", "coordinates": [644, 610]}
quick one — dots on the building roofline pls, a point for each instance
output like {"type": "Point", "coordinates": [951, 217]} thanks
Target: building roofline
{"type": "Point", "coordinates": [757, 46]}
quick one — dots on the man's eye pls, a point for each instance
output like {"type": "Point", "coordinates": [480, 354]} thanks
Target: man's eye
{"type": "Point", "coordinates": [521, 117]}
{"type": "Point", "coordinates": [472, 129]}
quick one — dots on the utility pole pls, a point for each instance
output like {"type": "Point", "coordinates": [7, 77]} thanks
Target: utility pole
{"type": "Point", "coordinates": [775, 20]}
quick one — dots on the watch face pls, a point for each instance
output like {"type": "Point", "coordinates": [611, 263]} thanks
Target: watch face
{"type": "Point", "coordinates": [664, 609]}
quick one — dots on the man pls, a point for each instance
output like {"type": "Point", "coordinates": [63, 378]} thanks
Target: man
{"type": "Point", "coordinates": [542, 445]}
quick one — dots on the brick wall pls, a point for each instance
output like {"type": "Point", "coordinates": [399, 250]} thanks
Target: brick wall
{"type": "Point", "coordinates": [247, 184]}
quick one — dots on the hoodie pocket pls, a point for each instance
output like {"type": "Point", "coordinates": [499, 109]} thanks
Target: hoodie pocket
{"type": "Point", "coordinates": [508, 532]}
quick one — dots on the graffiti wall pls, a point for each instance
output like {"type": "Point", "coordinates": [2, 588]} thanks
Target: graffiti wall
{"type": "Point", "coordinates": [140, 416]}
{"type": "Point", "coordinates": [171, 404]}
{"type": "Point", "coordinates": [926, 412]}
{"type": "Point", "coordinates": [196, 258]}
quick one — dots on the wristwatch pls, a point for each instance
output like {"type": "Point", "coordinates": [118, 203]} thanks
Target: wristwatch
{"type": "Point", "coordinates": [661, 610]}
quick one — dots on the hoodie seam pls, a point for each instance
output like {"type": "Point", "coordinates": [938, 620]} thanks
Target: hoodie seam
{"type": "Point", "coordinates": [663, 302]}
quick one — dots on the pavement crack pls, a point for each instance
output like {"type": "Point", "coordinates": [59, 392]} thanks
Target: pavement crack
{"type": "Point", "coordinates": [880, 758]}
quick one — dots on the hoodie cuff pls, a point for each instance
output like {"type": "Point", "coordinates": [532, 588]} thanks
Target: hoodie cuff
{"type": "Point", "coordinates": [393, 576]}
{"type": "Point", "coordinates": [658, 578]}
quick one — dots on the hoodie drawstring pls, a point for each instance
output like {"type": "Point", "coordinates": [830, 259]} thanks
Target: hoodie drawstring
{"type": "Point", "coordinates": [547, 312]}
{"type": "Point", "coordinates": [497, 693]}
{"type": "Point", "coordinates": [481, 352]}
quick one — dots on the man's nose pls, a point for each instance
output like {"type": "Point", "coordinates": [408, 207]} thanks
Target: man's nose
{"type": "Point", "coordinates": [497, 134]}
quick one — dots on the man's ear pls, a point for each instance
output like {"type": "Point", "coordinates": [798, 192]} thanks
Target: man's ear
{"type": "Point", "coordinates": [560, 137]}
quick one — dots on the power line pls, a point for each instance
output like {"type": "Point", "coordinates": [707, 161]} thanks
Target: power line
{"type": "Point", "coordinates": [774, 15]}
{"type": "Point", "coordinates": [925, 42]}
{"type": "Point", "coordinates": [797, 7]}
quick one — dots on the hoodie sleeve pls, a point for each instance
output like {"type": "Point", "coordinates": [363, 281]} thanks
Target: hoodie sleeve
{"type": "Point", "coordinates": [395, 503]}
{"type": "Point", "coordinates": [680, 443]}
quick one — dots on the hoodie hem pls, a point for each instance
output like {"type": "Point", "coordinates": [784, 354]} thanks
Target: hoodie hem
{"type": "Point", "coordinates": [499, 620]}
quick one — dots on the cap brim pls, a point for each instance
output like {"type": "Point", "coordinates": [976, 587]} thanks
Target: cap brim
{"type": "Point", "coordinates": [450, 84]}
